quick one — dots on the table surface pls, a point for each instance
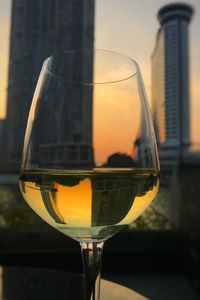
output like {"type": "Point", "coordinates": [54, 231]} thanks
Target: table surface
{"type": "Point", "coordinates": [22, 283]}
{"type": "Point", "coordinates": [157, 286]}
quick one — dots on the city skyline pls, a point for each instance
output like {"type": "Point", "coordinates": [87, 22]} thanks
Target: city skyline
{"type": "Point", "coordinates": [37, 31]}
{"type": "Point", "coordinates": [170, 82]}
{"type": "Point", "coordinates": [112, 33]}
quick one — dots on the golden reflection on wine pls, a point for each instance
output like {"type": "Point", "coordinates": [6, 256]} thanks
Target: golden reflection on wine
{"type": "Point", "coordinates": [74, 202]}
{"type": "Point", "coordinates": [91, 203]}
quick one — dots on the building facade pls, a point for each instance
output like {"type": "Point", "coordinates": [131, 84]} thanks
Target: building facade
{"type": "Point", "coordinates": [170, 82]}
{"type": "Point", "coordinates": [39, 28]}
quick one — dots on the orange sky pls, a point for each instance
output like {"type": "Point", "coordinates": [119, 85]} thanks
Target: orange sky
{"type": "Point", "coordinates": [116, 106]}
{"type": "Point", "coordinates": [4, 41]}
{"type": "Point", "coordinates": [129, 28]}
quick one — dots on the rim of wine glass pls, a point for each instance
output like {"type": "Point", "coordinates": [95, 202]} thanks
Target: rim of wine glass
{"type": "Point", "coordinates": [91, 50]}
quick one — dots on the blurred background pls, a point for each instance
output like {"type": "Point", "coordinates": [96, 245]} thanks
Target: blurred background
{"type": "Point", "coordinates": [163, 246]}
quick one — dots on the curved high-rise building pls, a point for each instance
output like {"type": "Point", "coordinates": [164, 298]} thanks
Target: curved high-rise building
{"type": "Point", "coordinates": [170, 81]}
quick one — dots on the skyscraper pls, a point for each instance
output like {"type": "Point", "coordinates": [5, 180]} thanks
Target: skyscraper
{"type": "Point", "coordinates": [170, 82]}
{"type": "Point", "coordinates": [39, 28]}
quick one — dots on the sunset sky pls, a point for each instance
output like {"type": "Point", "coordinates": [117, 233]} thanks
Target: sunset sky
{"type": "Point", "coordinates": [129, 27]}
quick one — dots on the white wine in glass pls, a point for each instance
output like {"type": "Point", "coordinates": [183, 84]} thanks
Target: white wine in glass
{"type": "Point", "coordinates": [90, 165]}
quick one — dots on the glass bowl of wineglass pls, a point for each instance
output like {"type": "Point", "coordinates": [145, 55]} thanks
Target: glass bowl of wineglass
{"type": "Point", "coordinates": [90, 165]}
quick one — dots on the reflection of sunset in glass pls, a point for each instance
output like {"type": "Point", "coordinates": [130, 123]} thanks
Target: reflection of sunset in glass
{"type": "Point", "coordinates": [95, 203]}
{"type": "Point", "coordinates": [74, 203]}
{"type": "Point", "coordinates": [71, 204]}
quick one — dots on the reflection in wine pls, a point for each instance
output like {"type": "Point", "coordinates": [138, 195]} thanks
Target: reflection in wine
{"type": "Point", "coordinates": [89, 204]}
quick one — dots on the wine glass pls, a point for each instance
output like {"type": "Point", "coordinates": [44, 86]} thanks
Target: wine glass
{"type": "Point", "coordinates": [90, 165]}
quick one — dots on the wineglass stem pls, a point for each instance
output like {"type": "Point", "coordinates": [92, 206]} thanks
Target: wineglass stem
{"type": "Point", "coordinates": [92, 261]}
